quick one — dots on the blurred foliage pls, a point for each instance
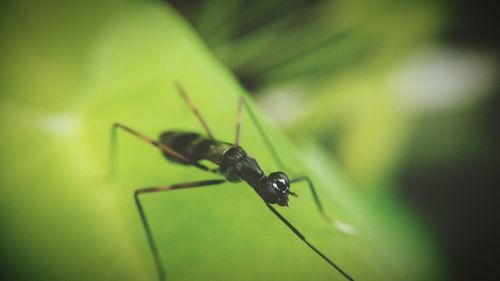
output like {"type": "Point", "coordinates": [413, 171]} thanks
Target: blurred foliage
{"type": "Point", "coordinates": [334, 69]}
{"type": "Point", "coordinates": [71, 69]}
{"type": "Point", "coordinates": [268, 43]}
{"type": "Point", "coordinates": [404, 95]}
{"type": "Point", "coordinates": [342, 53]}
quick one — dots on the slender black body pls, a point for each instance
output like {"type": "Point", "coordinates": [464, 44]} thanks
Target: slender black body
{"type": "Point", "coordinates": [234, 163]}
{"type": "Point", "coordinates": [192, 149]}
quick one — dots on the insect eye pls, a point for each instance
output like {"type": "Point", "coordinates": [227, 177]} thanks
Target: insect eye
{"type": "Point", "coordinates": [281, 186]}
{"type": "Point", "coordinates": [281, 183]}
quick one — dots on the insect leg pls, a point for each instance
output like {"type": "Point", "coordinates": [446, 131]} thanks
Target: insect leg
{"type": "Point", "coordinates": [193, 108]}
{"type": "Point", "coordinates": [239, 120]}
{"type": "Point", "coordinates": [301, 236]}
{"type": "Point", "coordinates": [157, 144]}
{"type": "Point", "coordinates": [336, 223]}
{"type": "Point", "coordinates": [267, 142]}
{"type": "Point", "coordinates": [152, 244]}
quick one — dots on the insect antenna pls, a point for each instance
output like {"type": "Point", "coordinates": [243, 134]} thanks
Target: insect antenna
{"type": "Point", "coordinates": [303, 238]}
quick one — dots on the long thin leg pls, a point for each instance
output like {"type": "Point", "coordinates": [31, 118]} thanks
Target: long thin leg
{"type": "Point", "coordinates": [239, 120]}
{"type": "Point", "coordinates": [152, 244]}
{"type": "Point", "coordinates": [336, 223]}
{"type": "Point", "coordinates": [157, 144]}
{"type": "Point", "coordinates": [301, 236]}
{"type": "Point", "coordinates": [193, 108]}
{"type": "Point", "coordinates": [267, 142]}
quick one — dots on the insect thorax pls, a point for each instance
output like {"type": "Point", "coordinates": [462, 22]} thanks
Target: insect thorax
{"type": "Point", "coordinates": [237, 165]}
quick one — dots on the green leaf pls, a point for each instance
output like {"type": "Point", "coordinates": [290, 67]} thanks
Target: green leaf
{"type": "Point", "coordinates": [69, 70]}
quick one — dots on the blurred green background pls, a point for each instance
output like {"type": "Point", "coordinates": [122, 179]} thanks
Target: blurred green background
{"type": "Point", "coordinates": [390, 106]}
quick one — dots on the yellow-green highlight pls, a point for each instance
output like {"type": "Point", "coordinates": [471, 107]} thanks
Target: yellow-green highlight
{"type": "Point", "coordinates": [69, 70]}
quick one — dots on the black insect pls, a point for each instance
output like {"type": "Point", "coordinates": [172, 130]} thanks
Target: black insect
{"type": "Point", "coordinates": [233, 163]}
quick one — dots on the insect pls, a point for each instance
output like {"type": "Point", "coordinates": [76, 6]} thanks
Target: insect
{"type": "Point", "coordinates": [189, 148]}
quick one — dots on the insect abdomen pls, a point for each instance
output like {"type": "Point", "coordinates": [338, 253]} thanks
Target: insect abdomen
{"type": "Point", "coordinates": [193, 146]}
